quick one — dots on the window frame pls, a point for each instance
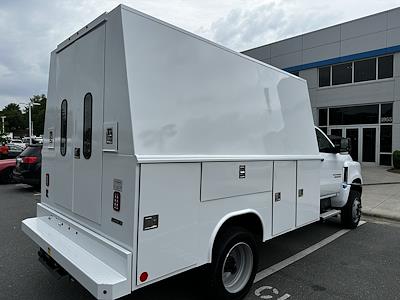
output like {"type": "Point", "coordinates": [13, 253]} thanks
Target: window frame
{"type": "Point", "coordinates": [363, 61]}
{"type": "Point", "coordinates": [63, 128]}
{"type": "Point", "coordinates": [331, 149]}
{"type": "Point", "coordinates": [87, 137]}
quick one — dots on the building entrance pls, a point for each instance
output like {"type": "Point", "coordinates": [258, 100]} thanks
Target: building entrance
{"type": "Point", "coordinates": [364, 142]}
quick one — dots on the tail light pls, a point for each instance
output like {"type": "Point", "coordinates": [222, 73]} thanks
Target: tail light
{"type": "Point", "coordinates": [29, 160]}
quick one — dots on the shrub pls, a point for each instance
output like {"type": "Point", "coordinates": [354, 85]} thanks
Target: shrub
{"type": "Point", "coordinates": [396, 159]}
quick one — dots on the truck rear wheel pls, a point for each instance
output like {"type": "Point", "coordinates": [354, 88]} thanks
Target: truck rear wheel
{"type": "Point", "coordinates": [234, 264]}
{"type": "Point", "coordinates": [351, 212]}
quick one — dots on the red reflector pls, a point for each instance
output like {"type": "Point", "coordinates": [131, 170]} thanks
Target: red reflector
{"type": "Point", "coordinates": [47, 179]}
{"type": "Point", "coordinates": [29, 159]}
{"type": "Point", "coordinates": [143, 277]}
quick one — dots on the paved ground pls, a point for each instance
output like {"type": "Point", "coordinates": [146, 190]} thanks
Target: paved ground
{"type": "Point", "coordinates": [381, 193]}
{"type": "Point", "coordinates": [361, 264]}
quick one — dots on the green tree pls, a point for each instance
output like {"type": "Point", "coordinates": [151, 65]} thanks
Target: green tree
{"type": "Point", "coordinates": [38, 113]}
{"type": "Point", "coordinates": [14, 118]}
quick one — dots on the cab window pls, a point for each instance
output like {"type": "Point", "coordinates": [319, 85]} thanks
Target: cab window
{"type": "Point", "coordinates": [324, 144]}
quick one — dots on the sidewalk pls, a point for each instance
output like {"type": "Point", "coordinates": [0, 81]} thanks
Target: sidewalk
{"type": "Point", "coordinates": [381, 193]}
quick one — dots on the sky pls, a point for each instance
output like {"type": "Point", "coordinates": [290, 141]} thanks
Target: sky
{"type": "Point", "coordinates": [31, 29]}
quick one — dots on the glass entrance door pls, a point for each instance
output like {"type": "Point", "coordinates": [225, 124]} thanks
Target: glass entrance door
{"type": "Point", "coordinates": [369, 144]}
{"type": "Point", "coordinates": [364, 142]}
{"type": "Point", "coordinates": [353, 135]}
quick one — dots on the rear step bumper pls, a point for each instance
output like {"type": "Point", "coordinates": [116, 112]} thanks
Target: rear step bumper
{"type": "Point", "coordinates": [101, 266]}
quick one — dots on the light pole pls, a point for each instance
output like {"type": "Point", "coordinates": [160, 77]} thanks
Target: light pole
{"type": "Point", "coordinates": [2, 120]}
{"type": "Point", "coordinates": [30, 104]}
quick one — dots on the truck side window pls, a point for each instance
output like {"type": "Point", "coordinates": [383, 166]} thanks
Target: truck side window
{"type": "Point", "coordinates": [63, 140]}
{"type": "Point", "coordinates": [324, 144]}
{"type": "Point", "coordinates": [87, 125]}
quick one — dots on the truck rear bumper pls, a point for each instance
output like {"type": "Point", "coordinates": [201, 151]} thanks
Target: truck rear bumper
{"type": "Point", "coordinates": [101, 266]}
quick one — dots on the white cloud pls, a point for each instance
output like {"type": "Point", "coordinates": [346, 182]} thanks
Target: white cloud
{"type": "Point", "coordinates": [29, 30]}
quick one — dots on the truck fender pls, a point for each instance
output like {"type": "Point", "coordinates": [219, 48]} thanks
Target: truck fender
{"type": "Point", "coordinates": [224, 220]}
{"type": "Point", "coordinates": [353, 175]}
{"type": "Point", "coordinates": [354, 171]}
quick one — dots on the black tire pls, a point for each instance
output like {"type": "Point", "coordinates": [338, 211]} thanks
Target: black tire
{"type": "Point", "coordinates": [228, 242]}
{"type": "Point", "coordinates": [351, 212]}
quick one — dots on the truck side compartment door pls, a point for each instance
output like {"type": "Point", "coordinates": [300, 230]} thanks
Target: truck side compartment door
{"type": "Point", "coordinates": [168, 218]}
{"type": "Point", "coordinates": [308, 202]}
{"type": "Point", "coordinates": [284, 196]}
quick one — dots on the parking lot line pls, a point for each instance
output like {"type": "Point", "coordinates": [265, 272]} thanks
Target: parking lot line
{"type": "Point", "coordinates": [37, 194]}
{"type": "Point", "coordinates": [284, 263]}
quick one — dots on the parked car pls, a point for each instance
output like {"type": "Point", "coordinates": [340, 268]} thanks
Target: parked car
{"type": "Point", "coordinates": [3, 151]}
{"type": "Point", "coordinates": [17, 142]}
{"type": "Point", "coordinates": [14, 150]}
{"type": "Point", "coordinates": [6, 170]}
{"type": "Point", "coordinates": [29, 166]}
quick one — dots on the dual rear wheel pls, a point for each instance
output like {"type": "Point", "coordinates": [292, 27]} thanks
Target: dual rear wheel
{"type": "Point", "coordinates": [234, 264]}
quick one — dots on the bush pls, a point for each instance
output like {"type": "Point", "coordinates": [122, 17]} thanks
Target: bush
{"type": "Point", "coordinates": [396, 159]}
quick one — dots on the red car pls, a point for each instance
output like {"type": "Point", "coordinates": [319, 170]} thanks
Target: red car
{"type": "Point", "coordinates": [7, 167]}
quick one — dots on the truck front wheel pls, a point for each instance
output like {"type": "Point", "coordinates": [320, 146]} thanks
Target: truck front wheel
{"type": "Point", "coordinates": [351, 212]}
{"type": "Point", "coordinates": [234, 264]}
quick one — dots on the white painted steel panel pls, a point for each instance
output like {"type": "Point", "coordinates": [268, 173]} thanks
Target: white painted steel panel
{"type": "Point", "coordinates": [393, 37]}
{"type": "Point", "coordinates": [321, 53]}
{"type": "Point", "coordinates": [205, 100]}
{"type": "Point", "coordinates": [171, 191]}
{"type": "Point", "coordinates": [261, 53]}
{"type": "Point", "coordinates": [367, 92]}
{"type": "Point", "coordinates": [363, 26]}
{"type": "Point", "coordinates": [321, 37]}
{"type": "Point", "coordinates": [396, 71]}
{"type": "Point", "coordinates": [221, 179]}
{"type": "Point", "coordinates": [311, 75]}
{"type": "Point", "coordinates": [394, 18]}
{"type": "Point", "coordinates": [288, 60]}
{"type": "Point", "coordinates": [308, 200]}
{"type": "Point", "coordinates": [287, 46]}
{"type": "Point", "coordinates": [364, 43]}
{"type": "Point", "coordinates": [89, 78]}
{"type": "Point", "coordinates": [284, 209]}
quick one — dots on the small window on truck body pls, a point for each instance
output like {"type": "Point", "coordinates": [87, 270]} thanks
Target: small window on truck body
{"type": "Point", "coordinates": [63, 134]}
{"type": "Point", "coordinates": [87, 125]}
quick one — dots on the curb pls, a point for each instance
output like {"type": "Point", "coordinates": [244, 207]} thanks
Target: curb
{"type": "Point", "coordinates": [382, 215]}
{"type": "Point", "coordinates": [382, 183]}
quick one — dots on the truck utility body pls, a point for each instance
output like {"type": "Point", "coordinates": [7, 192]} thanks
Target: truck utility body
{"type": "Point", "coordinates": [164, 152]}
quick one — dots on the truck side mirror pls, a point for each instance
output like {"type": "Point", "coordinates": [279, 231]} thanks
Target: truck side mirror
{"type": "Point", "coordinates": [342, 145]}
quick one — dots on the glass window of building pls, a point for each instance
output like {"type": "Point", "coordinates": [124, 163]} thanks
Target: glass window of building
{"type": "Point", "coordinates": [387, 113]}
{"type": "Point", "coordinates": [363, 114]}
{"type": "Point", "coordinates": [365, 70]}
{"type": "Point", "coordinates": [342, 74]}
{"type": "Point", "coordinates": [386, 138]}
{"type": "Point", "coordinates": [323, 116]}
{"type": "Point", "coordinates": [324, 76]}
{"type": "Point", "coordinates": [385, 67]}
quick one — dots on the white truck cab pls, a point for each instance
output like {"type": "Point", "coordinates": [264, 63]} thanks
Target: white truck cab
{"type": "Point", "coordinates": [340, 180]}
{"type": "Point", "coordinates": [164, 152]}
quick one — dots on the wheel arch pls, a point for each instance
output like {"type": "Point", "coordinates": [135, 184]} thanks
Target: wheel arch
{"type": "Point", "coordinates": [249, 219]}
{"type": "Point", "coordinates": [356, 185]}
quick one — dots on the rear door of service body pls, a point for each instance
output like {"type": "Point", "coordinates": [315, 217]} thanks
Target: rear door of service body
{"type": "Point", "coordinates": [78, 160]}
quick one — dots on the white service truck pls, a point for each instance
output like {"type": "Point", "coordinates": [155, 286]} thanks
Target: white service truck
{"type": "Point", "coordinates": [164, 152]}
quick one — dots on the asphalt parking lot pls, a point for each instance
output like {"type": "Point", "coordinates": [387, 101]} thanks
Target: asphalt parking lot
{"type": "Point", "coordinates": [359, 264]}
